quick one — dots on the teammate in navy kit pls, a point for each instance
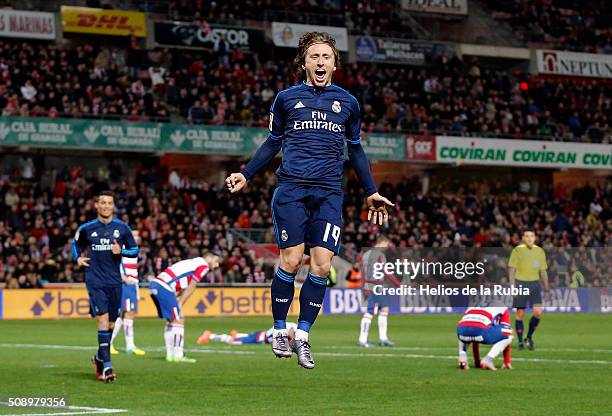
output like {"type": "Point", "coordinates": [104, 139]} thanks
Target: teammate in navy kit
{"type": "Point", "coordinates": [311, 123]}
{"type": "Point", "coordinates": [103, 239]}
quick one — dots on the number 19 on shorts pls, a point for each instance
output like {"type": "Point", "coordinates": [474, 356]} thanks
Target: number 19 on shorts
{"type": "Point", "coordinates": [335, 233]}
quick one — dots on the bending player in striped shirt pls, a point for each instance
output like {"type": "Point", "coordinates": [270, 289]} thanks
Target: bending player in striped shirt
{"type": "Point", "coordinates": [238, 338]}
{"type": "Point", "coordinates": [170, 290]}
{"type": "Point", "coordinates": [485, 326]}
{"type": "Point", "coordinates": [129, 302]}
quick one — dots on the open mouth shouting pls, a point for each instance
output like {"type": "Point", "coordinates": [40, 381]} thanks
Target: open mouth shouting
{"type": "Point", "coordinates": [320, 75]}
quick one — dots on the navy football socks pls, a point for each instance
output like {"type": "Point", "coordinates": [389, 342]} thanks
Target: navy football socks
{"type": "Point", "coordinates": [282, 295]}
{"type": "Point", "coordinates": [533, 324]}
{"type": "Point", "coordinates": [104, 355]}
{"type": "Point", "coordinates": [311, 300]}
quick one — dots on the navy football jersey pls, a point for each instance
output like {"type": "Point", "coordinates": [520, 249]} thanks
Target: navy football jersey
{"type": "Point", "coordinates": [313, 125]}
{"type": "Point", "coordinates": [97, 238]}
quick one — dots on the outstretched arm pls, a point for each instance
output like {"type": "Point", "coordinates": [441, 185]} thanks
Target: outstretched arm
{"type": "Point", "coordinates": [262, 157]}
{"type": "Point", "coordinates": [377, 204]}
{"type": "Point", "coordinates": [360, 163]}
{"type": "Point", "coordinates": [266, 152]}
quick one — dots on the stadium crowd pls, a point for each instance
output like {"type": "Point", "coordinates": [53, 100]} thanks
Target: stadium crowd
{"type": "Point", "coordinates": [582, 26]}
{"type": "Point", "coordinates": [177, 218]}
{"type": "Point", "coordinates": [84, 81]}
{"type": "Point", "coordinates": [451, 97]}
{"type": "Point", "coordinates": [467, 99]}
{"type": "Point", "coordinates": [369, 16]}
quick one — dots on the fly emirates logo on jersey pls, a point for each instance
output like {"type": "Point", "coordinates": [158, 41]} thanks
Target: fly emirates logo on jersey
{"type": "Point", "coordinates": [318, 121]}
{"type": "Point", "coordinates": [105, 245]}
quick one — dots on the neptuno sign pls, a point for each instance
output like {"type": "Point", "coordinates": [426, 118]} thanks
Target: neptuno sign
{"type": "Point", "coordinates": [574, 64]}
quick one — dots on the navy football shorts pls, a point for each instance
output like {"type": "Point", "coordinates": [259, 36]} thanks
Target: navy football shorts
{"type": "Point", "coordinates": [307, 214]}
{"type": "Point", "coordinates": [534, 297]}
{"type": "Point", "coordinates": [105, 300]}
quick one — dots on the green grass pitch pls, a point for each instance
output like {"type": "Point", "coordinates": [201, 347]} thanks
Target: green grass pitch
{"type": "Point", "coordinates": [570, 373]}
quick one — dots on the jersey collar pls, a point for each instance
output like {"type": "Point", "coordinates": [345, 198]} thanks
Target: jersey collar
{"type": "Point", "coordinates": [104, 223]}
{"type": "Point", "coordinates": [312, 87]}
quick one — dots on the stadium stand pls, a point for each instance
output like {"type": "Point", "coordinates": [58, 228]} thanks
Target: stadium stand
{"type": "Point", "coordinates": [39, 217]}
{"type": "Point", "coordinates": [84, 81]}
{"type": "Point", "coordinates": [371, 17]}
{"type": "Point", "coordinates": [582, 26]}
{"type": "Point", "coordinates": [450, 97]}
{"type": "Point", "coordinates": [84, 78]}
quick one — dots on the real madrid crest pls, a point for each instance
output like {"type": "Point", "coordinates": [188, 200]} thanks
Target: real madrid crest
{"type": "Point", "coordinates": [336, 107]}
{"type": "Point", "coordinates": [116, 234]}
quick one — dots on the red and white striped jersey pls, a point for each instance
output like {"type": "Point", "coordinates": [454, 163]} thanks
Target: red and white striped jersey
{"type": "Point", "coordinates": [486, 317]}
{"type": "Point", "coordinates": [178, 276]}
{"type": "Point", "coordinates": [129, 268]}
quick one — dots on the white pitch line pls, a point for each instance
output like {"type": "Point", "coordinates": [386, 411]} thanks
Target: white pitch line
{"type": "Point", "coordinates": [94, 348]}
{"type": "Point", "coordinates": [87, 411]}
{"type": "Point", "coordinates": [454, 357]}
{"type": "Point", "coordinates": [321, 353]}
{"type": "Point", "coordinates": [581, 350]}
{"type": "Point", "coordinates": [50, 346]}
{"type": "Point", "coordinates": [230, 348]}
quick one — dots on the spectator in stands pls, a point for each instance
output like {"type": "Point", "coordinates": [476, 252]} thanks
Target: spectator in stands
{"type": "Point", "coordinates": [28, 91]}
{"type": "Point", "coordinates": [174, 180]}
{"type": "Point", "coordinates": [157, 79]}
{"type": "Point", "coordinates": [222, 49]}
{"type": "Point", "coordinates": [196, 113]}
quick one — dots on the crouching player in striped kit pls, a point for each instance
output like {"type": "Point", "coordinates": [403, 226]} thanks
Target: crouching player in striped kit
{"type": "Point", "coordinates": [129, 302]}
{"type": "Point", "coordinates": [489, 326]}
{"type": "Point", "coordinates": [170, 290]}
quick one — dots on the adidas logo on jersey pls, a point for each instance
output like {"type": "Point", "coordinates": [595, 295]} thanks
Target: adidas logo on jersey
{"type": "Point", "coordinates": [299, 105]}
{"type": "Point", "coordinates": [94, 234]}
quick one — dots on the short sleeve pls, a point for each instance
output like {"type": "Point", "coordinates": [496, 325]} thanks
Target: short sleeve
{"type": "Point", "coordinates": [543, 265]}
{"type": "Point", "coordinates": [513, 259]}
{"type": "Point", "coordinates": [200, 272]}
{"type": "Point", "coordinates": [505, 318]}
